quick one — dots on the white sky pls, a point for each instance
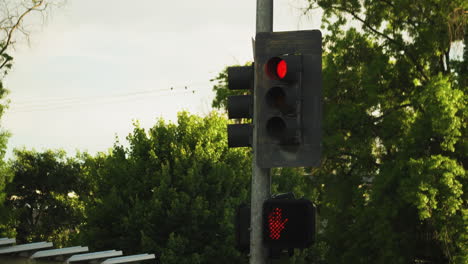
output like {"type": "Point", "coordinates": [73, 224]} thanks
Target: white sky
{"type": "Point", "coordinates": [95, 66]}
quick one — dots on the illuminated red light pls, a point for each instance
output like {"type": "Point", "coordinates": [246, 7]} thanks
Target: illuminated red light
{"type": "Point", "coordinates": [276, 68]}
{"type": "Point", "coordinates": [276, 223]}
{"type": "Point", "coordinates": [281, 69]}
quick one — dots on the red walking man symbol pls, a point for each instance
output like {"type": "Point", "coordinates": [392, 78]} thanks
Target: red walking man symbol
{"type": "Point", "coordinates": [276, 223]}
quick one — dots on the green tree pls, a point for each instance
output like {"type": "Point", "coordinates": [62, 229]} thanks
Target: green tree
{"type": "Point", "coordinates": [43, 196]}
{"type": "Point", "coordinates": [12, 16]}
{"type": "Point", "coordinates": [394, 165]}
{"type": "Point", "coordinates": [173, 192]}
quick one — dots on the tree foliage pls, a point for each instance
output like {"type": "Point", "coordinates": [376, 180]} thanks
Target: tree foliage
{"type": "Point", "coordinates": [12, 16]}
{"type": "Point", "coordinates": [394, 167]}
{"type": "Point", "coordinates": [42, 197]}
{"type": "Point", "coordinates": [173, 191]}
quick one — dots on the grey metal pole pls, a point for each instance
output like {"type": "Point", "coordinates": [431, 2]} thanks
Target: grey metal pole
{"type": "Point", "coordinates": [264, 16]}
{"type": "Point", "coordinates": [261, 181]}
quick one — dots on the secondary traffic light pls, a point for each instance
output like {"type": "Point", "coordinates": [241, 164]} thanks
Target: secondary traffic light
{"type": "Point", "coordinates": [288, 223]}
{"type": "Point", "coordinates": [242, 227]}
{"type": "Point", "coordinates": [240, 106]}
{"type": "Point", "coordinates": [288, 98]}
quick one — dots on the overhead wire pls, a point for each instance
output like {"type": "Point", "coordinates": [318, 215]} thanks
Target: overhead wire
{"type": "Point", "coordinates": [49, 100]}
{"type": "Point", "coordinates": [71, 102]}
{"type": "Point", "coordinates": [82, 104]}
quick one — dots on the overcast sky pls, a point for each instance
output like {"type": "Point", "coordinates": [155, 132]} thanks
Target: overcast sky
{"type": "Point", "coordinates": [95, 66]}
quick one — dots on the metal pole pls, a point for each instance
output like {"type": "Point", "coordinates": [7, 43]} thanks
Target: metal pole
{"type": "Point", "coordinates": [261, 180]}
{"type": "Point", "coordinates": [264, 16]}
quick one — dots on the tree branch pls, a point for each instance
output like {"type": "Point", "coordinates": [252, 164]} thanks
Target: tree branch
{"type": "Point", "coordinates": [17, 24]}
{"type": "Point", "coordinates": [409, 21]}
{"type": "Point", "coordinates": [4, 63]}
{"type": "Point", "coordinates": [388, 38]}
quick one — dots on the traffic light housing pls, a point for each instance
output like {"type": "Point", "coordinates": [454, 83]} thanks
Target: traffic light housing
{"type": "Point", "coordinates": [242, 227]}
{"type": "Point", "coordinates": [288, 223]}
{"type": "Point", "coordinates": [288, 98]}
{"type": "Point", "coordinates": [240, 106]}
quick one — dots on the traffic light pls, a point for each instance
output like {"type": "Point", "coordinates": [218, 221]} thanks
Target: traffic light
{"type": "Point", "coordinates": [288, 98]}
{"type": "Point", "coordinates": [240, 106]}
{"type": "Point", "coordinates": [288, 223]}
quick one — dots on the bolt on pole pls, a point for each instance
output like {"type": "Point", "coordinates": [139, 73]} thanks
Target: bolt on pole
{"type": "Point", "coordinates": [261, 181]}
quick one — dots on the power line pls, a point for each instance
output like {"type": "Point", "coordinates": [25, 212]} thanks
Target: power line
{"type": "Point", "coordinates": [82, 104]}
{"type": "Point", "coordinates": [70, 102]}
{"type": "Point", "coordinates": [51, 100]}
